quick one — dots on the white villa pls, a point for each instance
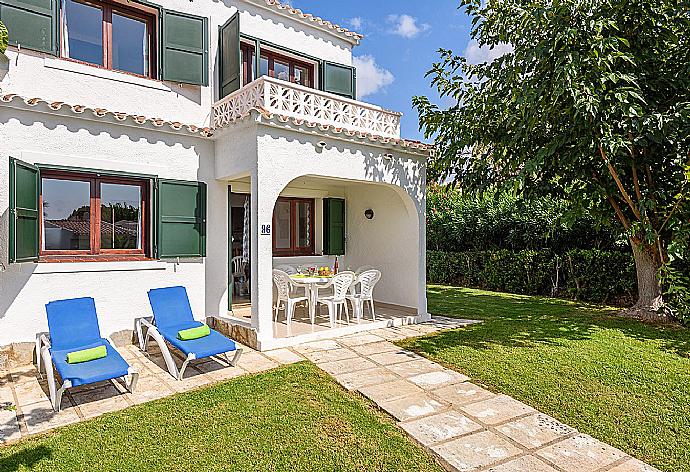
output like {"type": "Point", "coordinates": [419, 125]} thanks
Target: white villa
{"type": "Point", "coordinates": [147, 144]}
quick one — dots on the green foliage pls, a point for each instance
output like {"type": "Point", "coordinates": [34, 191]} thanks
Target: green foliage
{"type": "Point", "coordinates": [677, 290]}
{"type": "Point", "coordinates": [459, 221]}
{"type": "Point", "coordinates": [4, 38]}
{"type": "Point", "coordinates": [591, 105]}
{"type": "Point", "coordinates": [584, 274]}
{"type": "Point", "coordinates": [600, 276]}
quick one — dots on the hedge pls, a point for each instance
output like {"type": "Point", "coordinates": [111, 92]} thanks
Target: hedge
{"type": "Point", "coordinates": [590, 275]}
{"type": "Point", "coordinates": [458, 222]}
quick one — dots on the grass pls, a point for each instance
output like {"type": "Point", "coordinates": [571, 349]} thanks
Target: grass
{"type": "Point", "coordinates": [293, 418]}
{"type": "Point", "coordinates": [624, 382]}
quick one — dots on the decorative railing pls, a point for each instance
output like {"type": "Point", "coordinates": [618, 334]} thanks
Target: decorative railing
{"type": "Point", "coordinates": [303, 103]}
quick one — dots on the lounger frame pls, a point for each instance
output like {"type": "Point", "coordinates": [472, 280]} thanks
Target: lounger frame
{"type": "Point", "coordinates": [42, 352]}
{"type": "Point", "coordinates": [147, 323]}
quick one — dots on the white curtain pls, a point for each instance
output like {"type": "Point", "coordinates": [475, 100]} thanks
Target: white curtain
{"type": "Point", "coordinates": [64, 48]}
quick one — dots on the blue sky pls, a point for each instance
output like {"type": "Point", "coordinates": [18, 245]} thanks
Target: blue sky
{"type": "Point", "coordinates": [400, 44]}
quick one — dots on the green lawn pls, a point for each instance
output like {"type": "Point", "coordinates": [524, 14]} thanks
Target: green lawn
{"type": "Point", "coordinates": [621, 381]}
{"type": "Point", "coordinates": [290, 419]}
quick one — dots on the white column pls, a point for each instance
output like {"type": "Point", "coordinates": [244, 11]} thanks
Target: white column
{"type": "Point", "coordinates": [421, 212]}
{"type": "Point", "coordinates": [262, 201]}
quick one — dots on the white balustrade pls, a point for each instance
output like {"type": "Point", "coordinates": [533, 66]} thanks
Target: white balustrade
{"type": "Point", "coordinates": [312, 106]}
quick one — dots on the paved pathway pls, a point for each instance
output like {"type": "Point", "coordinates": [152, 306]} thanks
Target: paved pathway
{"type": "Point", "coordinates": [466, 427]}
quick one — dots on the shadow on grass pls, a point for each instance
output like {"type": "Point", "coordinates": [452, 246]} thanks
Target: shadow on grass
{"type": "Point", "coordinates": [25, 459]}
{"type": "Point", "coordinates": [521, 321]}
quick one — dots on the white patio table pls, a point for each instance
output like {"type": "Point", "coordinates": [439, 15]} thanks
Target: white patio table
{"type": "Point", "coordinates": [311, 282]}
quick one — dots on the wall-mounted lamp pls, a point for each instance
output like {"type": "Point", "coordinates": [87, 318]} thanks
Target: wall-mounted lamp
{"type": "Point", "coordinates": [369, 214]}
{"type": "Point", "coordinates": [322, 144]}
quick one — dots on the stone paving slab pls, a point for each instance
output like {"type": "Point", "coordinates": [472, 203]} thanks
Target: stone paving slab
{"type": "Point", "coordinates": [374, 348]}
{"type": "Point", "coordinates": [284, 356]}
{"type": "Point", "coordinates": [496, 410]}
{"type": "Point", "coordinates": [463, 394]}
{"type": "Point", "coordinates": [633, 465]}
{"type": "Point", "coordinates": [476, 451]}
{"type": "Point", "coordinates": [440, 427]}
{"type": "Point", "coordinates": [331, 355]}
{"type": "Point", "coordinates": [364, 378]}
{"type": "Point", "coordinates": [414, 367]}
{"type": "Point", "coordinates": [581, 453]}
{"type": "Point", "coordinates": [524, 464]}
{"type": "Point", "coordinates": [394, 357]}
{"type": "Point", "coordinates": [535, 430]}
{"type": "Point", "coordinates": [386, 392]}
{"type": "Point", "coordinates": [360, 339]}
{"type": "Point", "coordinates": [465, 426]}
{"type": "Point", "coordinates": [412, 406]}
{"type": "Point", "coordinates": [347, 365]}
{"type": "Point", "coordinates": [438, 379]}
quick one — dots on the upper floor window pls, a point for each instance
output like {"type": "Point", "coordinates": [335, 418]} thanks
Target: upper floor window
{"type": "Point", "coordinates": [108, 35]}
{"type": "Point", "coordinates": [276, 65]}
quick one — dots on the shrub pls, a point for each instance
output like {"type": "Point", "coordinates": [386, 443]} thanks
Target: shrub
{"type": "Point", "coordinates": [587, 275]}
{"type": "Point", "coordinates": [499, 220]}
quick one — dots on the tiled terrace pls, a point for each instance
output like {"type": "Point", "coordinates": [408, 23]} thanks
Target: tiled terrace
{"type": "Point", "coordinates": [465, 426]}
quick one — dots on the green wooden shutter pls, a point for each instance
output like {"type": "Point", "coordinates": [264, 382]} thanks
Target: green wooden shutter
{"type": "Point", "coordinates": [24, 190]}
{"type": "Point", "coordinates": [184, 48]}
{"type": "Point", "coordinates": [334, 226]}
{"type": "Point", "coordinates": [31, 23]}
{"type": "Point", "coordinates": [181, 219]}
{"type": "Point", "coordinates": [229, 56]}
{"type": "Point", "coordinates": [339, 79]}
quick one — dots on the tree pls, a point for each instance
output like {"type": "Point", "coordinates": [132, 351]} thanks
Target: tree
{"type": "Point", "coordinates": [591, 103]}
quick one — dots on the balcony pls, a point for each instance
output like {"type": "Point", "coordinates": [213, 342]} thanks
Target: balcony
{"type": "Point", "coordinates": [310, 105]}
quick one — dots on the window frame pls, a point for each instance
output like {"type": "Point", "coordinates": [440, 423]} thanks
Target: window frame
{"type": "Point", "coordinates": [295, 250]}
{"type": "Point", "coordinates": [107, 8]}
{"type": "Point", "coordinates": [95, 252]}
{"type": "Point", "coordinates": [248, 69]}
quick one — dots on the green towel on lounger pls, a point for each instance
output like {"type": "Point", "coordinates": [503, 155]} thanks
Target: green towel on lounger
{"type": "Point", "coordinates": [87, 355]}
{"type": "Point", "coordinates": [194, 333]}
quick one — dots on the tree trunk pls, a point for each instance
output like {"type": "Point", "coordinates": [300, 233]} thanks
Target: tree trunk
{"type": "Point", "coordinates": [650, 302]}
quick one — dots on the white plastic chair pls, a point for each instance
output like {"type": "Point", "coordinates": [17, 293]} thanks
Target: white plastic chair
{"type": "Point", "coordinates": [288, 269]}
{"type": "Point", "coordinates": [337, 302]}
{"type": "Point", "coordinates": [238, 270]}
{"type": "Point", "coordinates": [367, 280]}
{"type": "Point", "coordinates": [285, 287]}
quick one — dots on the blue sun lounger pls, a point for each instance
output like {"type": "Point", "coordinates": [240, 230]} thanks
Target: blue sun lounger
{"type": "Point", "coordinates": [172, 313]}
{"type": "Point", "coordinates": [73, 326]}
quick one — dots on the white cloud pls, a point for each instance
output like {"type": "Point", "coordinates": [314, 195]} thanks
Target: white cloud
{"type": "Point", "coordinates": [406, 26]}
{"type": "Point", "coordinates": [476, 54]}
{"type": "Point", "coordinates": [371, 77]}
{"type": "Point", "coordinates": [356, 22]}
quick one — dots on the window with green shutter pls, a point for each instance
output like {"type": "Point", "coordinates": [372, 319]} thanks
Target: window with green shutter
{"type": "Point", "coordinates": [339, 79]}
{"type": "Point", "coordinates": [229, 56]}
{"type": "Point", "coordinates": [31, 23]}
{"type": "Point", "coordinates": [24, 190]}
{"type": "Point", "coordinates": [181, 228]}
{"type": "Point", "coordinates": [334, 226]}
{"type": "Point", "coordinates": [184, 48]}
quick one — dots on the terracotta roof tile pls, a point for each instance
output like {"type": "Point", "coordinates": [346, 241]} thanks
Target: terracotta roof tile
{"type": "Point", "coordinates": [307, 17]}
{"type": "Point", "coordinates": [104, 113]}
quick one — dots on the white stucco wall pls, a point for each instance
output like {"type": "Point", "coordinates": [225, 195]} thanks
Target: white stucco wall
{"type": "Point", "coordinates": [34, 74]}
{"type": "Point", "coordinates": [120, 289]}
{"type": "Point", "coordinates": [269, 161]}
